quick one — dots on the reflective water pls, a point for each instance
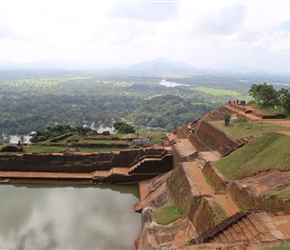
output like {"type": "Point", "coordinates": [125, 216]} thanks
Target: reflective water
{"type": "Point", "coordinates": [171, 84]}
{"type": "Point", "coordinates": [62, 217]}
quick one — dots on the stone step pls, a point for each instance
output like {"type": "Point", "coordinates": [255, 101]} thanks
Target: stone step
{"type": "Point", "coordinates": [269, 223]}
{"type": "Point", "coordinates": [223, 238]}
{"type": "Point", "coordinates": [246, 231]}
{"type": "Point", "coordinates": [228, 236]}
{"type": "Point", "coordinates": [121, 171]}
{"type": "Point", "coordinates": [233, 233]}
{"type": "Point", "coordinates": [240, 232]}
{"type": "Point", "coordinates": [257, 223]}
{"type": "Point", "coordinates": [251, 228]}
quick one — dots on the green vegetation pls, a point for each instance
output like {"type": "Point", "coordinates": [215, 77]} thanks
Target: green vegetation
{"type": "Point", "coordinates": [283, 193]}
{"type": "Point", "coordinates": [34, 100]}
{"type": "Point", "coordinates": [55, 131]}
{"type": "Point", "coordinates": [85, 142]}
{"type": "Point", "coordinates": [157, 138]}
{"type": "Point", "coordinates": [167, 112]}
{"type": "Point", "coordinates": [166, 214]}
{"type": "Point", "coordinates": [254, 157]}
{"type": "Point", "coordinates": [124, 127]}
{"type": "Point", "coordinates": [178, 191]}
{"type": "Point", "coordinates": [242, 127]}
{"type": "Point", "coordinates": [227, 117]}
{"type": "Point", "coordinates": [219, 214]}
{"type": "Point", "coordinates": [268, 97]}
{"type": "Point", "coordinates": [280, 247]}
{"type": "Point", "coordinates": [219, 92]}
{"type": "Point", "coordinates": [34, 148]}
{"type": "Point", "coordinates": [96, 141]}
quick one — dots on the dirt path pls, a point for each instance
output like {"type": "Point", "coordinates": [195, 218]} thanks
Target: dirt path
{"type": "Point", "coordinates": [199, 185]}
{"type": "Point", "coordinates": [227, 204]}
{"type": "Point", "coordinates": [196, 179]}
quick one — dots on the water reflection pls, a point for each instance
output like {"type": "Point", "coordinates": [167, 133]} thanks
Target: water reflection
{"type": "Point", "coordinates": [62, 217]}
{"type": "Point", "coordinates": [171, 84]}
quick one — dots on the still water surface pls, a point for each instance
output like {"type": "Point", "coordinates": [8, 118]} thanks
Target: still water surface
{"type": "Point", "coordinates": [63, 217]}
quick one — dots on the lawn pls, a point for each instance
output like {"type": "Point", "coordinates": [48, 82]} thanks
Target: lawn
{"type": "Point", "coordinates": [268, 152]}
{"type": "Point", "coordinates": [166, 214]}
{"type": "Point", "coordinates": [242, 127]}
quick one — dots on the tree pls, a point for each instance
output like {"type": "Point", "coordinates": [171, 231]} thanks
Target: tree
{"type": "Point", "coordinates": [265, 95]}
{"type": "Point", "coordinates": [227, 118]}
{"type": "Point", "coordinates": [284, 99]}
{"type": "Point", "coordinates": [124, 128]}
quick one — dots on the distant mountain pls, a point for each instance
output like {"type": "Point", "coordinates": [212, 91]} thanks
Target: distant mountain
{"type": "Point", "coordinates": [7, 65]}
{"type": "Point", "coordinates": [158, 65]}
{"type": "Point", "coordinates": [163, 65]}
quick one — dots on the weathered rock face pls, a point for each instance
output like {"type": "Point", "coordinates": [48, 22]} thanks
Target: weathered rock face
{"type": "Point", "coordinates": [180, 191]}
{"type": "Point", "coordinates": [217, 179]}
{"type": "Point", "coordinates": [248, 200]}
{"type": "Point", "coordinates": [195, 203]}
{"type": "Point", "coordinates": [214, 139]}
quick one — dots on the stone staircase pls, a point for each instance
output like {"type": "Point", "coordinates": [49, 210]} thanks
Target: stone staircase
{"type": "Point", "coordinates": [151, 163]}
{"type": "Point", "coordinates": [154, 194]}
{"type": "Point", "coordinates": [147, 162]}
{"type": "Point", "coordinates": [242, 227]}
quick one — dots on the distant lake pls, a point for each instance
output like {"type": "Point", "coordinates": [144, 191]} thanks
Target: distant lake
{"type": "Point", "coordinates": [171, 84]}
{"type": "Point", "coordinates": [68, 217]}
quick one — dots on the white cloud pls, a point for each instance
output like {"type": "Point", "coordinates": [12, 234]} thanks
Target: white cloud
{"type": "Point", "coordinates": [203, 33]}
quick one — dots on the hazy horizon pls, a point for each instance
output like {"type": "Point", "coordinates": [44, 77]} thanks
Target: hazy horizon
{"type": "Point", "coordinates": [216, 34]}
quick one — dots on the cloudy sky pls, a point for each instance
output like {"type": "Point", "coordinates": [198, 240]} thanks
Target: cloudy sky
{"type": "Point", "coordinates": [202, 33]}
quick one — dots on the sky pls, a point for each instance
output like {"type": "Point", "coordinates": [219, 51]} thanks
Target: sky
{"type": "Point", "coordinates": [202, 33]}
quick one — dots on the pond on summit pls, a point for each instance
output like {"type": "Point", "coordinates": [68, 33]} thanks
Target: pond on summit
{"type": "Point", "coordinates": [68, 217]}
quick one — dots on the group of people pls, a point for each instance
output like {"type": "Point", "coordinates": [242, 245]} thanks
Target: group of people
{"type": "Point", "coordinates": [237, 102]}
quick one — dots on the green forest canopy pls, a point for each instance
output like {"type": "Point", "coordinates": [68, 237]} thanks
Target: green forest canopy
{"type": "Point", "coordinates": [33, 100]}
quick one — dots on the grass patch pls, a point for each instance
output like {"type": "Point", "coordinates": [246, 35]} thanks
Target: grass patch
{"type": "Point", "coordinates": [218, 92]}
{"type": "Point", "coordinates": [284, 193]}
{"type": "Point", "coordinates": [125, 142]}
{"type": "Point", "coordinates": [157, 138]}
{"type": "Point", "coordinates": [280, 247]}
{"type": "Point", "coordinates": [241, 127]}
{"type": "Point", "coordinates": [100, 149]}
{"type": "Point", "coordinates": [219, 213]}
{"type": "Point", "coordinates": [34, 148]}
{"type": "Point", "coordinates": [254, 157]}
{"type": "Point", "coordinates": [73, 137]}
{"type": "Point", "coordinates": [166, 214]}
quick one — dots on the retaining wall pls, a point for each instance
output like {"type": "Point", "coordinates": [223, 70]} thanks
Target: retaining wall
{"type": "Point", "coordinates": [247, 200]}
{"type": "Point", "coordinates": [216, 177]}
{"type": "Point", "coordinates": [77, 162]}
{"type": "Point", "coordinates": [213, 139]}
